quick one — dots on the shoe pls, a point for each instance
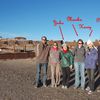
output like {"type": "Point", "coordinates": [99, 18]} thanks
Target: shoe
{"type": "Point", "coordinates": [75, 87]}
{"type": "Point", "coordinates": [44, 85]}
{"type": "Point", "coordinates": [36, 86]}
{"type": "Point", "coordinates": [55, 85]}
{"type": "Point", "coordinates": [82, 88]}
{"type": "Point", "coordinates": [63, 87]}
{"type": "Point", "coordinates": [90, 92]}
{"type": "Point", "coordinates": [87, 89]}
{"type": "Point", "coordinates": [98, 90]}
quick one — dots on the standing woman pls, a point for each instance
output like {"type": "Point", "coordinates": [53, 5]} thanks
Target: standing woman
{"type": "Point", "coordinates": [90, 64]}
{"type": "Point", "coordinates": [79, 65]}
{"type": "Point", "coordinates": [55, 65]}
{"type": "Point", "coordinates": [66, 64]}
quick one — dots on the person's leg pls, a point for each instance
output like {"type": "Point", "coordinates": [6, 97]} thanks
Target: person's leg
{"type": "Point", "coordinates": [68, 76]}
{"type": "Point", "coordinates": [99, 69]}
{"type": "Point", "coordinates": [64, 77]}
{"type": "Point", "coordinates": [52, 75]}
{"type": "Point", "coordinates": [38, 71]}
{"type": "Point", "coordinates": [92, 79]}
{"type": "Point", "coordinates": [89, 79]}
{"type": "Point", "coordinates": [57, 74]}
{"type": "Point", "coordinates": [76, 66]}
{"type": "Point", "coordinates": [82, 73]}
{"type": "Point", "coordinates": [98, 90]}
{"type": "Point", "coordinates": [45, 65]}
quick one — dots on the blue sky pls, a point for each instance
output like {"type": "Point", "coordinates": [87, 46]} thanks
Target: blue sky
{"type": "Point", "coordinates": [34, 18]}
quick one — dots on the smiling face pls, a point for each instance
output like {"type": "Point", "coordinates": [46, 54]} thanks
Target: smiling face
{"type": "Point", "coordinates": [90, 45]}
{"type": "Point", "coordinates": [44, 40]}
{"type": "Point", "coordinates": [55, 45]}
{"type": "Point", "coordinates": [80, 43]}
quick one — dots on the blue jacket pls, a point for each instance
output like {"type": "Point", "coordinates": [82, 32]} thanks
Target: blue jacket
{"type": "Point", "coordinates": [91, 58]}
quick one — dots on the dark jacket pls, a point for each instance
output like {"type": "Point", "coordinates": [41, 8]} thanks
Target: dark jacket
{"type": "Point", "coordinates": [91, 59]}
{"type": "Point", "coordinates": [99, 55]}
{"type": "Point", "coordinates": [43, 53]}
{"type": "Point", "coordinates": [79, 54]}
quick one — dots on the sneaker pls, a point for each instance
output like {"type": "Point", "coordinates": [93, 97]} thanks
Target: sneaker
{"type": "Point", "coordinates": [44, 85]}
{"type": "Point", "coordinates": [90, 92]}
{"type": "Point", "coordinates": [63, 87]}
{"type": "Point", "coordinates": [55, 85]}
{"type": "Point", "coordinates": [36, 86]}
{"type": "Point", "coordinates": [82, 88]}
{"type": "Point", "coordinates": [98, 90]}
{"type": "Point", "coordinates": [87, 89]}
{"type": "Point", "coordinates": [75, 87]}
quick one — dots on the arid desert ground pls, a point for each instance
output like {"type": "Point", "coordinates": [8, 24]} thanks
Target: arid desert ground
{"type": "Point", "coordinates": [17, 78]}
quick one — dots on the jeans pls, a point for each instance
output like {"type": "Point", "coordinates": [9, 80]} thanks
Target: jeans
{"type": "Point", "coordinates": [79, 71]}
{"type": "Point", "coordinates": [38, 73]}
{"type": "Point", "coordinates": [90, 73]}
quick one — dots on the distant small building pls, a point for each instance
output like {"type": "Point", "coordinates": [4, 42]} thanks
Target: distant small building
{"type": "Point", "coordinates": [20, 38]}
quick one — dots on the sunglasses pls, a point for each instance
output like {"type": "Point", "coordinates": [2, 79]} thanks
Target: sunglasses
{"type": "Point", "coordinates": [79, 43]}
{"type": "Point", "coordinates": [44, 39]}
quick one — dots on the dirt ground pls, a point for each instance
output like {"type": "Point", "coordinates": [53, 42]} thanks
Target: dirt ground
{"type": "Point", "coordinates": [17, 78]}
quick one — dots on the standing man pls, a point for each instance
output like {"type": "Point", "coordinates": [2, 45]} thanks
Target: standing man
{"type": "Point", "coordinates": [99, 57]}
{"type": "Point", "coordinates": [42, 60]}
{"type": "Point", "coordinates": [99, 63]}
{"type": "Point", "coordinates": [79, 65]}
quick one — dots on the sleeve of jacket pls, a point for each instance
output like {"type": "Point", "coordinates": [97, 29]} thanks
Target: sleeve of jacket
{"type": "Point", "coordinates": [71, 58]}
{"type": "Point", "coordinates": [99, 54]}
{"type": "Point", "coordinates": [95, 55]}
{"type": "Point", "coordinates": [60, 55]}
{"type": "Point", "coordinates": [39, 49]}
{"type": "Point", "coordinates": [74, 51]}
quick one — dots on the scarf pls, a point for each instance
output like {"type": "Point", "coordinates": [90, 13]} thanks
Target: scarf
{"type": "Point", "coordinates": [65, 51]}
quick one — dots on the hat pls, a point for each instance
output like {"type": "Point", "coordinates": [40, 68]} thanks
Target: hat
{"type": "Point", "coordinates": [64, 44]}
{"type": "Point", "coordinates": [43, 38]}
{"type": "Point", "coordinates": [89, 42]}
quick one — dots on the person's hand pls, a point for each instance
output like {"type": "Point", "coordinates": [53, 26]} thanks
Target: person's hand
{"type": "Point", "coordinates": [71, 67]}
{"type": "Point", "coordinates": [60, 62]}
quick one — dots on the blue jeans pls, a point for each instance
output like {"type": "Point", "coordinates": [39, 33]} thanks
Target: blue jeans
{"type": "Point", "coordinates": [38, 73]}
{"type": "Point", "coordinates": [79, 71]}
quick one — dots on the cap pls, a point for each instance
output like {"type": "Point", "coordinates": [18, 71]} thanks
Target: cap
{"type": "Point", "coordinates": [43, 38]}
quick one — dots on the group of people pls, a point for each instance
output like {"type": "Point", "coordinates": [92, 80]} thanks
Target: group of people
{"type": "Point", "coordinates": [62, 60]}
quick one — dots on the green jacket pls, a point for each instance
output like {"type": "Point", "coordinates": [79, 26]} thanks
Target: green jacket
{"type": "Point", "coordinates": [67, 59]}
